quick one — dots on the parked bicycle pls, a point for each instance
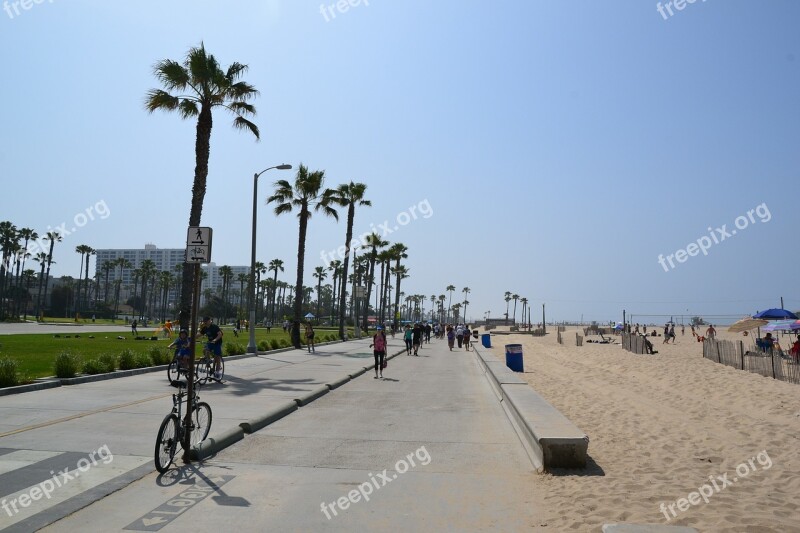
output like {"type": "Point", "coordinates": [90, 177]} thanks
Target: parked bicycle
{"type": "Point", "coordinates": [173, 428]}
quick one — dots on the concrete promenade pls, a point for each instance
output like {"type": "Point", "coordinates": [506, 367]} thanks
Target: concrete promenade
{"type": "Point", "coordinates": [427, 448]}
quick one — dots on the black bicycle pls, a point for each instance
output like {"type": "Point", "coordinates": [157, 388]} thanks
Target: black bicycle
{"type": "Point", "coordinates": [173, 428]}
{"type": "Point", "coordinates": [206, 368]}
{"type": "Point", "coordinates": [179, 368]}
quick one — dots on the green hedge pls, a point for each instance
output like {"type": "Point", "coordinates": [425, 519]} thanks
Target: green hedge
{"type": "Point", "coordinates": [67, 364]}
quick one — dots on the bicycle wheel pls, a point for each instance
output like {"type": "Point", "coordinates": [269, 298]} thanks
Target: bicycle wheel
{"type": "Point", "coordinates": [166, 443]}
{"type": "Point", "coordinates": [221, 368]}
{"type": "Point", "coordinates": [202, 423]}
{"type": "Point", "coordinates": [172, 371]}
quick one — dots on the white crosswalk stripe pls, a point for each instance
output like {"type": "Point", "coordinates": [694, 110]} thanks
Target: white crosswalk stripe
{"type": "Point", "coordinates": [22, 458]}
{"type": "Point", "coordinates": [32, 500]}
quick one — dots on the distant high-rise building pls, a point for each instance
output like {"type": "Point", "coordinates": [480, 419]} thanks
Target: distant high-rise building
{"type": "Point", "coordinates": [165, 260]}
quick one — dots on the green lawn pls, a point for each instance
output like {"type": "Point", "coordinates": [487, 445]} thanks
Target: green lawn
{"type": "Point", "coordinates": [36, 353]}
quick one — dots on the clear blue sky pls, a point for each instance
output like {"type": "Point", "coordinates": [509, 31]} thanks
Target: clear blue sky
{"type": "Point", "coordinates": [561, 145]}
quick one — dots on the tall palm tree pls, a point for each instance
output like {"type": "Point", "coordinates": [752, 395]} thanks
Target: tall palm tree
{"type": "Point", "coordinates": [9, 241]}
{"type": "Point", "coordinates": [441, 299]}
{"type": "Point", "coordinates": [165, 279]}
{"type": "Point", "coordinates": [86, 296]}
{"type": "Point", "coordinates": [226, 273]}
{"type": "Point", "coordinates": [275, 265]}
{"type": "Point", "coordinates": [335, 268]}
{"type": "Point", "coordinates": [200, 85]}
{"type": "Point", "coordinates": [374, 241]}
{"type": "Point", "coordinates": [466, 291]}
{"type": "Point", "coordinates": [28, 276]}
{"type": "Point", "coordinates": [450, 289]}
{"type": "Point", "coordinates": [106, 268]}
{"type": "Point", "coordinates": [348, 195]}
{"type": "Point", "coordinates": [398, 251]}
{"type": "Point", "coordinates": [524, 306]}
{"type": "Point", "coordinates": [27, 234]}
{"type": "Point", "coordinates": [515, 297]}
{"type": "Point", "coordinates": [40, 258]}
{"type": "Point", "coordinates": [320, 274]}
{"type": "Point", "coordinates": [53, 237]}
{"type": "Point", "coordinates": [242, 279]}
{"type": "Point", "coordinates": [122, 264]}
{"type": "Point", "coordinates": [384, 257]}
{"type": "Point", "coordinates": [306, 195]}
{"type": "Point", "coordinates": [148, 270]}
{"type": "Point", "coordinates": [456, 308]}
{"type": "Point", "coordinates": [507, 299]}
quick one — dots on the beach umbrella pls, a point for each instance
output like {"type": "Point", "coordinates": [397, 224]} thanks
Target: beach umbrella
{"type": "Point", "coordinates": [783, 325]}
{"type": "Point", "coordinates": [746, 324]}
{"type": "Point", "coordinates": [775, 314]}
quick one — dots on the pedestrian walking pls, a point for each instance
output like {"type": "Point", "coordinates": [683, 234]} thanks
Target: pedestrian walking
{"type": "Point", "coordinates": [416, 338]}
{"type": "Point", "coordinates": [408, 337]}
{"type": "Point", "coordinates": [466, 338]}
{"type": "Point", "coordinates": [134, 331]}
{"type": "Point", "coordinates": [451, 337]}
{"type": "Point", "coordinates": [379, 350]}
{"type": "Point", "coordinates": [310, 338]}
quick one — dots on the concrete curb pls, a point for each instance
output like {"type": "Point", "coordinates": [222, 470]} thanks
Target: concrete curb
{"type": "Point", "coordinates": [336, 383]}
{"type": "Point", "coordinates": [273, 415]}
{"type": "Point", "coordinates": [308, 397]}
{"type": "Point", "coordinates": [215, 444]}
{"type": "Point", "coordinates": [30, 387]}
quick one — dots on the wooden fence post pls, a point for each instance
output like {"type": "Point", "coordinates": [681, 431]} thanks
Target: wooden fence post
{"type": "Point", "coordinates": [741, 351]}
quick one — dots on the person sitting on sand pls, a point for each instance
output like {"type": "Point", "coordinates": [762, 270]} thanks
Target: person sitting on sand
{"type": "Point", "coordinates": [795, 351]}
{"type": "Point", "coordinates": [648, 346]}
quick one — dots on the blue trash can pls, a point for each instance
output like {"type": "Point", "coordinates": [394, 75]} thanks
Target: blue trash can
{"type": "Point", "coordinates": [486, 340]}
{"type": "Point", "coordinates": [514, 357]}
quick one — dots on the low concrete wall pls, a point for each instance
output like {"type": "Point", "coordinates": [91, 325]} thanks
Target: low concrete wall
{"type": "Point", "coordinates": [552, 438]}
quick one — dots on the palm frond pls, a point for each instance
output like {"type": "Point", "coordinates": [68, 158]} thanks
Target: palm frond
{"type": "Point", "coordinates": [242, 91]}
{"type": "Point", "coordinates": [171, 74]}
{"type": "Point", "coordinates": [188, 108]}
{"type": "Point", "coordinates": [241, 108]}
{"type": "Point", "coordinates": [160, 99]}
{"type": "Point", "coordinates": [235, 70]}
{"type": "Point", "coordinates": [241, 123]}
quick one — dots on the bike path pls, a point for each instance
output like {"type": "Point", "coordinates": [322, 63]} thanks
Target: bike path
{"type": "Point", "coordinates": [46, 437]}
{"type": "Point", "coordinates": [428, 448]}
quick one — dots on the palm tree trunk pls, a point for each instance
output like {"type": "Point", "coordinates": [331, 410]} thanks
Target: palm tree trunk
{"type": "Point", "coordinates": [201, 152]}
{"type": "Point", "coordinates": [298, 288]}
{"type": "Point", "coordinates": [348, 236]}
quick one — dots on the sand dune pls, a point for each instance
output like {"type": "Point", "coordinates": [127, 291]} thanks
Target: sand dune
{"type": "Point", "coordinates": [659, 427]}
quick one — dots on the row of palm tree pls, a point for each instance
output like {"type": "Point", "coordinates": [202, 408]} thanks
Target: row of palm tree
{"type": "Point", "coordinates": [508, 297]}
{"type": "Point", "coordinates": [194, 88]}
{"type": "Point", "coordinates": [15, 279]}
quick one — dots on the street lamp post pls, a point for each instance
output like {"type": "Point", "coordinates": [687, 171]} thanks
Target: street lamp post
{"type": "Point", "coordinates": [251, 346]}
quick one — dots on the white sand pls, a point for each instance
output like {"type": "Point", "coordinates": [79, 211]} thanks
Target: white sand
{"type": "Point", "coordinates": [659, 426]}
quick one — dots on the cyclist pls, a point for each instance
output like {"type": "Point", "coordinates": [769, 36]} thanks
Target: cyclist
{"type": "Point", "coordinates": [214, 344]}
{"type": "Point", "coordinates": [181, 345]}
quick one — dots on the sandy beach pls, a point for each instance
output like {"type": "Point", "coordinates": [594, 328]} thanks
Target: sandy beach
{"type": "Point", "coordinates": [661, 427]}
